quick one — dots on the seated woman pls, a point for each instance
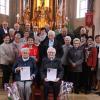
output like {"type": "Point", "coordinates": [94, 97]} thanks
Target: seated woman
{"type": "Point", "coordinates": [24, 85]}
{"type": "Point", "coordinates": [51, 63]}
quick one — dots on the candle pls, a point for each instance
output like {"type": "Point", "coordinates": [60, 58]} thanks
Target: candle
{"type": "Point", "coordinates": [17, 17]}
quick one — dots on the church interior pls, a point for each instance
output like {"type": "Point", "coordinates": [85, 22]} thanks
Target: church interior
{"type": "Point", "coordinates": [44, 20]}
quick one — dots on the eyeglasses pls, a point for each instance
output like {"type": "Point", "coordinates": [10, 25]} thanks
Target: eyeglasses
{"type": "Point", "coordinates": [51, 52]}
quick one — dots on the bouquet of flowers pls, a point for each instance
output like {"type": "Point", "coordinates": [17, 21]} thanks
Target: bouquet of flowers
{"type": "Point", "coordinates": [65, 89]}
{"type": "Point", "coordinates": [12, 91]}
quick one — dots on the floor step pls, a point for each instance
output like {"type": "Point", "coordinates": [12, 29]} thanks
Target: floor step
{"type": "Point", "coordinates": [3, 95]}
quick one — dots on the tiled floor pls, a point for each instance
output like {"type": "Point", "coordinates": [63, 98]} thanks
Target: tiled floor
{"type": "Point", "coordinates": [3, 95]}
{"type": "Point", "coordinates": [84, 97]}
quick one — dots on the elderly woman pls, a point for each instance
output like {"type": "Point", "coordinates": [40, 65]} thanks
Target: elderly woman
{"type": "Point", "coordinates": [51, 62]}
{"type": "Point", "coordinates": [75, 59]}
{"type": "Point", "coordinates": [40, 37]}
{"type": "Point", "coordinates": [17, 45]}
{"type": "Point", "coordinates": [66, 47]}
{"type": "Point", "coordinates": [12, 34]}
{"type": "Point", "coordinates": [24, 85]}
{"type": "Point", "coordinates": [7, 57]}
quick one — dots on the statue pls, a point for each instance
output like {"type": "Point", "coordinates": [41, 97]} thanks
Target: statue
{"type": "Point", "coordinates": [26, 14]}
{"type": "Point", "coordinates": [42, 15]}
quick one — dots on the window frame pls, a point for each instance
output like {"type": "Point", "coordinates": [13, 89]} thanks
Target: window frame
{"type": "Point", "coordinates": [4, 7]}
{"type": "Point", "coordinates": [79, 9]}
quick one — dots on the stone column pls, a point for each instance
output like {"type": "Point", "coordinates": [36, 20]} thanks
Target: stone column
{"type": "Point", "coordinates": [97, 17]}
{"type": "Point", "coordinates": [12, 12]}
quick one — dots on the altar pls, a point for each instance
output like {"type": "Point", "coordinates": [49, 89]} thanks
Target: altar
{"type": "Point", "coordinates": [43, 12]}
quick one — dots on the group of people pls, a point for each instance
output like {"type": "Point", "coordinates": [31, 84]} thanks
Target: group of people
{"type": "Point", "coordinates": [75, 56]}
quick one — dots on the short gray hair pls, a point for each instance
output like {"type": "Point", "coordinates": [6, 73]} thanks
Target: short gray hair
{"type": "Point", "coordinates": [51, 32]}
{"type": "Point", "coordinates": [24, 50]}
{"type": "Point", "coordinates": [51, 49]}
{"type": "Point", "coordinates": [68, 38]}
{"type": "Point", "coordinates": [11, 30]}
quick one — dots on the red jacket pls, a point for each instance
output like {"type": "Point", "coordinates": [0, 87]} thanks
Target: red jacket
{"type": "Point", "coordinates": [92, 57]}
{"type": "Point", "coordinates": [34, 51]}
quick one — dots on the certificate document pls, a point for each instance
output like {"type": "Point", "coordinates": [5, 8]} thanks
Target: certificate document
{"type": "Point", "coordinates": [25, 73]}
{"type": "Point", "coordinates": [51, 74]}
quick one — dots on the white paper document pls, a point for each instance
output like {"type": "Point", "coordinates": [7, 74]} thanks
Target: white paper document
{"type": "Point", "coordinates": [25, 73]}
{"type": "Point", "coordinates": [51, 74]}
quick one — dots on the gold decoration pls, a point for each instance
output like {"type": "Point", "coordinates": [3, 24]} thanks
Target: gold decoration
{"type": "Point", "coordinates": [26, 14]}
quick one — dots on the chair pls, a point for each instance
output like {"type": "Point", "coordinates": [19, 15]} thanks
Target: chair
{"type": "Point", "coordinates": [37, 93]}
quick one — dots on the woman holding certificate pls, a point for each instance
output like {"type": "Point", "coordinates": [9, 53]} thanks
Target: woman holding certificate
{"type": "Point", "coordinates": [51, 73]}
{"type": "Point", "coordinates": [25, 71]}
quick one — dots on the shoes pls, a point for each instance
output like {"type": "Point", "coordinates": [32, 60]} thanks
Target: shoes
{"type": "Point", "coordinates": [94, 89]}
{"type": "Point", "coordinates": [76, 91]}
{"type": "Point", "coordinates": [98, 93]}
{"type": "Point", "coordinates": [87, 92]}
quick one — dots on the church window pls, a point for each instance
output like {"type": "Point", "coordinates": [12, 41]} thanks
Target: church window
{"type": "Point", "coordinates": [4, 7]}
{"type": "Point", "coordinates": [81, 8]}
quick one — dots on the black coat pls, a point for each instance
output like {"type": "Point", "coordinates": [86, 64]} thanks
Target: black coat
{"type": "Point", "coordinates": [56, 64]}
{"type": "Point", "coordinates": [60, 38]}
{"type": "Point", "coordinates": [2, 32]}
{"type": "Point", "coordinates": [57, 46]}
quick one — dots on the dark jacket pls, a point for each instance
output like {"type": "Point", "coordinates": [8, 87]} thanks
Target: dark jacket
{"type": "Point", "coordinates": [2, 32]}
{"type": "Point", "coordinates": [56, 64]}
{"type": "Point", "coordinates": [57, 46]}
{"type": "Point", "coordinates": [21, 63]}
{"type": "Point", "coordinates": [61, 38]}
{"type": "Point", "coordinates": [75, 56]}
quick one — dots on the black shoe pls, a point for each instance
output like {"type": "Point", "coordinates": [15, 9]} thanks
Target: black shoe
{"type": "Point", "coordinates": [98, 93]}
{"type": "Point", "coordinates": [94, 89]}
{"type": "Point", "coordinates": [87, 92]}
{"type": "Point", "coordinates": [76, 91]}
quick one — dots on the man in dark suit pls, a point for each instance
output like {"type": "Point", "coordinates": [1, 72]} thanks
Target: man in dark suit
{"type": "Point", "coordinates": [3, 30]}
{"type": "Point", "coordinates": [64, 33]}
{"type": "Point", "coordinates": [48, 64]}
{"type": "Point", "coordinates": [17, 29]}
{"type": "Point", "coordinates": [28, 28]}
{"type": "Point", "coordinates": [52, 42]}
